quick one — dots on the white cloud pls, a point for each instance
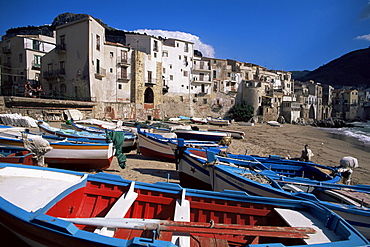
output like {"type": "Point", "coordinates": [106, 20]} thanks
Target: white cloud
{"type": "Point", "coordinates": [206, 50]}
{"type": "Point", "coordinates": [365, 37]}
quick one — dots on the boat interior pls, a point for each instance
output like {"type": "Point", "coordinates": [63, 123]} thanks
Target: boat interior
{"type": "Point", "coordinates": [120, 209]}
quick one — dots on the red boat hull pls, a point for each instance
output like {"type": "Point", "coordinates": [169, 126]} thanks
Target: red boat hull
{"type": "Point", "coordinates": [21, 157]}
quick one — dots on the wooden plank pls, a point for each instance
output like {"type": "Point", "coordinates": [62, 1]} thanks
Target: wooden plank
{"type": "Point", "coordinates": [197, 227]}
{"type": "Point", "coordinates": [300, 218]}
{"type": "Point", "coordinates": [119, 210]}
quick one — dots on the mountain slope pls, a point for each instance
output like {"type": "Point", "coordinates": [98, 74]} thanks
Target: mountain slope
{"type": "Point", "coordinates": [352, 69]}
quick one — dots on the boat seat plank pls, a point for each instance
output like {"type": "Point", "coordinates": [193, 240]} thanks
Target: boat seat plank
{"type": "Point", "coordinates": [119, 210]}
{"type": "Point", "coordinates": [297, 218]}
{"type": "Point", "coordinates": [342, 197]}
{"type": "Point", "coordinates": [182, 213]}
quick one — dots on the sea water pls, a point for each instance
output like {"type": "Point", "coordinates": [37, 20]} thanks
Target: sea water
{"type": "Point", "coordinates": [360, 134]}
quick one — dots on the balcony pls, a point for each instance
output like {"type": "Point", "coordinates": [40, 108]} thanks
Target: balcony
{"type": "Point", "coordinates": [100, 73]}
{"type": "Point", "coordinates": [61, 48]}
{"type": "Point", "coordinates": [200, 67]}
{"type": "Point", "coordinates": [7, 50]}
{"type": "Point", "coordinates": [36, 65]}
{"type": "Point", "coordinates": [123, 62]}
{"type": "Point", "coordinates": [202, 79]}
{"type": "Point", "coordinates": [150, 81]}
{"type": "Point", "coordinates": [54, 74]}
{"type": "Point", "coordinates": [123, 79]}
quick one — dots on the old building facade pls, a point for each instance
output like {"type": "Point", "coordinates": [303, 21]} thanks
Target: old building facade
{"type": "Point", "coordinates": [20, 61]}
{"type": "Point", "coordinates": [138, 76]}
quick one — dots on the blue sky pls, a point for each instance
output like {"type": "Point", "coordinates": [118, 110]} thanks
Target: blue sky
{"type": "Point", "coordinates": [277, 34]}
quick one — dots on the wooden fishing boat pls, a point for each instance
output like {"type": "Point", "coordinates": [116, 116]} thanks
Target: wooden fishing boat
{"type": "Point", "coordinates": [80, 154]}
{"type": "Point", "coordinates": [198, 120]}
{"type": "Point", "coordinates": [234, 133]}
{"type": "Point", "coordinates": [193, 167]}
{"type": "Point", "coordinates": [21, 157]}
{"type": "Point", "coordinates": [201, 135]}
{"type": "Point", "coordinates": [163, 145]}
{"type": "Point", "coordinates": [99, 127]}
{"type": "Point", "coordinates": [128, 144]}
{"type": "Point", "coordinates": [350, 202]}
{"type": "Point", "coordinates": [274, 123]}
{"type": "Point", "coordinates": [78, 209]}
{"type": "Point", "coordinates": [219, 122]}
{"type": "Point", "coordinates": [91, 129]}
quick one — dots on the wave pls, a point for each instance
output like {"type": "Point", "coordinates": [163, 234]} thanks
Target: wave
{"type": "Point", "coordinates": [361, 132]}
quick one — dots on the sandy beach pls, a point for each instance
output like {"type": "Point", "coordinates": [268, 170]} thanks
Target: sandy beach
{"type": "Point", "coordinates": [263, 140]}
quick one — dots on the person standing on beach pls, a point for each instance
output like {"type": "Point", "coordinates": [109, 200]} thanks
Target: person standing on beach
{"type": "Point", "coordinates": [306, 153]}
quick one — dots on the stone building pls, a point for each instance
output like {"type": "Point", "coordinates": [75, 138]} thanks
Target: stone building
{"type": "Point", "coordinates": [309, 95]}
{"type": "Point", "coordinates": [84, 66]}
{"type": "Point", "coordinates": [345, 104]}
{"type": "Point", "coordinates": [20, 61]}
{"type": "Point", "coordinates": [266, 90]}
{"type": "Point", "coordinates": [128, 75]}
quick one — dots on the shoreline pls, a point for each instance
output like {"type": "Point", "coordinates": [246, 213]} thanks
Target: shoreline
{"type": "Point", "coordinates": [260, 139]}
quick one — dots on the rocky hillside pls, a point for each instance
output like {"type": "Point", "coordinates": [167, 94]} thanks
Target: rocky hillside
{"type": "Point", "coordinates": [352, 69]}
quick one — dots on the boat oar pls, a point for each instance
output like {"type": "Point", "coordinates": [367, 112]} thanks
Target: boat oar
{"type": "Point", "coordinates": [196, 227]}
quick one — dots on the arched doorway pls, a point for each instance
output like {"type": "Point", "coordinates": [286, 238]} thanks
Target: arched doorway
{"type": "Point", "coordinates": [312, 113]}
{"type": "Point", "coordinates": [148, 95]}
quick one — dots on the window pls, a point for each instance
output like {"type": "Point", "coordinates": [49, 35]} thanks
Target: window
{"type": "Point", "coordinates": [164, 70]}
{"type": "Point", "coordinates": [155, 45]}
{"type": "Point", "coordinates": [120, 86]}
{"type": "Point", "coordinates": [214, 74]}
{"type": "Point", "coordinates": [171, 77]}
{"type": "Point", "coordinates": [37, 60]}
{"type": "Point", "coordinates": [201, 66]}
{"type": "Point", "coordinates": [185, 73]}
{"type": "Point", "coordinates": [62, 68]}
{"type": "Point", "coordinates": [201, 77]}
{"type": "Point", "coordinates": [149, 76]}
{"type": "Point", "coordinates": [186, 48]}
{"type": "Point", "coordinates": [50, 67]}
{"type": "Point", "coordinates": [165, 54]}
{"type": "Point", "coordinates": [20, 58]}
{"type": "Point", "coordinates": [123, 73]}
{"type": "Point", "coordinates": [36, 45]}
{"type": "Point", "coordinates": [97, 42]}
{"type": "Point", "coordinates": [179, 57]}
{"type": "Point", "coordinates": [110, 54]}
{"type": "Point", "coordinates": [155, 54]}
{"type": "Point", "coordinates": [62, 39]}
{"type": "Point", "coordinates": [97, 66]}
{"type": "Point", "coordinates": [124, 56]}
